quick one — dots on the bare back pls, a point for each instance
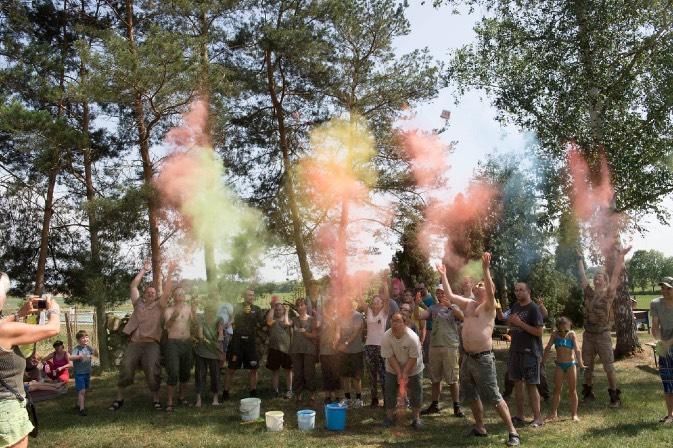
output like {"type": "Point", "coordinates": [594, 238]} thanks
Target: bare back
{"type": "Point", "coordinates": [478, 328]}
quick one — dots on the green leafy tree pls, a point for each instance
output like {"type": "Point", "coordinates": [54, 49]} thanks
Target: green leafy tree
{"type": "Point", "coordinates": [410, 263]}
{"type": "Point", "coordinates": [142, 69]}
{"type": "Point", "coordinates": [591, 72]}
{"type": "Point", "coordinates": [638, 269]}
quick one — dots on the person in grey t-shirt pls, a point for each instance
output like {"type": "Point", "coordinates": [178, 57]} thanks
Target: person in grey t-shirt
{"type": "Point", "coordinates": [662, 329]}
{"type": "Point", "coordinates": [278, 355]}
{"type": "Point", "coordinates": [351, 347]}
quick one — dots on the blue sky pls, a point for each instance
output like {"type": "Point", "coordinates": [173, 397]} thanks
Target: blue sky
{"type": "Point", "coordinates": [472, 125]}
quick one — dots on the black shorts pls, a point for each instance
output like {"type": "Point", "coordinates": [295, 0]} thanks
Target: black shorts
{"type": "Point", "coordinates": [243, 353]}
{"type": "Point", "coordinates": [524, 367]}
{"type": "Point", "coordinates": [275, 359]}
{"type": "Point", "coordinates": [330, 368]}
{"type": "Point", "coordinates": [351, 365]}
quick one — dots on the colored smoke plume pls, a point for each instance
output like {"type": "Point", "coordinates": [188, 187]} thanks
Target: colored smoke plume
{"type": "Point", "coordinates": [338, 178]}
{"type": "Point", "coordinates": [191, 189]}
{"type": "Point", "coordinates": [450, 226]}
{"type": "Point", "coordinates": [592, 199]}
{"type": "Point", "coordinates": [428, 157]}
{"type": "Point", "coordinates": [454, 227]}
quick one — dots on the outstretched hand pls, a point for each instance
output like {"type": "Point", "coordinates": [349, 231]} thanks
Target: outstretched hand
{"type": "Point", "coordinates": [147, 264]}
{"type": "Point", "coordinates": [441, 268]}
{"type": "Point", "coordinates": [624, 250]}
{"type": "Point", "coordinates": [486, 260]}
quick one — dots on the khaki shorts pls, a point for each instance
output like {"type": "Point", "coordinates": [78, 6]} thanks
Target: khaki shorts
{"type": "Point", "coordinates": [143, 355]}
{"type": "Point", "coordinates": [444, 364]}
{"type": "Point", "coordinates": [598, 344]}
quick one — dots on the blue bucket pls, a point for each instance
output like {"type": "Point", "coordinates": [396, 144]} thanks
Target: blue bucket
{"type": "Point", "coordinates": [335, 417]}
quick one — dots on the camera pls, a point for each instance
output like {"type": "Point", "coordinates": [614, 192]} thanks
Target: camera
{"type": "Point", "coordinates": [41, 304]}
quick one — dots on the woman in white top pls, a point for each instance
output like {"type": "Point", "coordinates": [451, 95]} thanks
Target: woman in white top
{"type": "Point", "coordinates": [376, 320]}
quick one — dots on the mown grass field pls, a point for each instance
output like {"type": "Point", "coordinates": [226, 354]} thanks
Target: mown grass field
{"type": "Point", "coordinates": [137, 424]}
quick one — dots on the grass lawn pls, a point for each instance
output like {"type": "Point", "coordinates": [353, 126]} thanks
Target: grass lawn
{"type": "Point", "coordinates": [644, 300]}
{"type": "Point", "coordinates": [137, 424]}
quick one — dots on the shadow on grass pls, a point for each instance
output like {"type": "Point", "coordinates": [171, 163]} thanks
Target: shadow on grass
{"type": "Point", "coordinates": [623, 429]}
{"type": "Point", "coordinates": [648, 369]}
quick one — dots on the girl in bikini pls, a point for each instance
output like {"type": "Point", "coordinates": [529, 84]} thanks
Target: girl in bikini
{"type": "Point", "coordinates": [568, 356]}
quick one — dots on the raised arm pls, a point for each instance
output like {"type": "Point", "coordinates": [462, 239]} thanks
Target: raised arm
{"type": "Point", "coordinates": [454, 298]}
{"type": "Point", "coordinates": [617, 270]}
{"type": "Point", "coordinates": [168, 286]}
{"type": "Point", "coordinates": [490, 290]}
{"type": "Point", "coordinates": [581, 269]}
{"type": "Point", "coordinates": [135, 293]}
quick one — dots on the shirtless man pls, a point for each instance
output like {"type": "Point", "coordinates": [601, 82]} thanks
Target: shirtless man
{"type": "Point", "coordinates": [178, 348]}
{"type": "Point", "coordinates": [477, 374]}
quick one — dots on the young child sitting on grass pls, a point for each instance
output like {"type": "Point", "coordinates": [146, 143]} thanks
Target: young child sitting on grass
{"type": "Point", "coordinates": [567, 358]}
{"type": "Point", "coordinates": [81, 356]}
{"type": "Point", "coordinates": [57, 363]}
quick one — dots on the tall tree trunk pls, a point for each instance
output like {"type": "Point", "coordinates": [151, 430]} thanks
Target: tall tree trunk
{"type": "Point", "coordinates": [148, 170]}
{"type": "Point", "coordinates": [44, 235]}
{"type": "Point", "coordinates": [204, 94]}
{"type": "Point", "coordinates": [625, 327]}
{"type": "Point", "coordinates": [52, 176]}
{"type": "Point", "coordinates": [295, 215]}
{"type": "Point", "coordinates": [94, 244]}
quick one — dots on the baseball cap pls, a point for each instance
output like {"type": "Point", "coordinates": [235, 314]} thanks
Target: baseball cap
{"type": "Point", "coordinates": [439, 287]}
{"type": "Point", "coordinates": [666, 281]}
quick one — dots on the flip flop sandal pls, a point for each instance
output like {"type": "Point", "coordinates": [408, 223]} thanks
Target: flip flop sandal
{"type": "Point", "coordinates": [169, 409]}
{"type": "Point", "coordinates": [115, 405]}
{"type": "Point", "coordinates": [476, 433]}
{"type": "Point", "coordinates": [157, 405]}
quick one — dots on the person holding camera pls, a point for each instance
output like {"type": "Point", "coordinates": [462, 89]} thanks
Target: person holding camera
{"type": "Point", "coordinates": [15, 424]}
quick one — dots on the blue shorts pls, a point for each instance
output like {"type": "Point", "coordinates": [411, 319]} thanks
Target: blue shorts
{"type": "Point", "coordinates": [666, 371]}
{"type": "Point", "coordinates": [82, 381]}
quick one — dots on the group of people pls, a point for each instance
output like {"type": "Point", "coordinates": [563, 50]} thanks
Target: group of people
{"type": "Point", "coordinates": [395, 338]}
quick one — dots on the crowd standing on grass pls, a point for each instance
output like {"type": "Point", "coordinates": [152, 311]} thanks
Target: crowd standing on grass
{"type": "Point", "coordinates": [399, 337]}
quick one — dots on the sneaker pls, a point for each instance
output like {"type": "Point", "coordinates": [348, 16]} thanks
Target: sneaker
{"type": "Point", "coordinates": [457, 412]}
{"type": "Point", "coordinates": [289, 395]}
{"type": "Point", "coordinates": [358, 403]}
{"type": "Point", "coordinates": [416, 423]}
{"type": "Point", "coordinates": [514, 440]}
{"type": "Point", "coordinates": [345, 403]}
{"type": "Point", "coordinates": [82, 412]}
{"type": "Point", "coordinates": [387, 423]}
{"type": "Point", "coordinates": [432, 409]}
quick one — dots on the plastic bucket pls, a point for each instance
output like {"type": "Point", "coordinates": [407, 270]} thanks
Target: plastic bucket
{"type": "Point", "coordinates": [335, 417]}
{"type": "Point", "coordinates": [250, 409]}
{"type": "Point", "coordinates": [306, 419]}
{"type": "Point", "coordinates": [274, 420]}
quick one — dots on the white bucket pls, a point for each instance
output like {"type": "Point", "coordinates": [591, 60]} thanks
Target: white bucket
{"type": "Point", "coordinates": [250, 409]}
{"type": "Point", "coordinates": [306, 419]}
{"type": "Point", "coordinates": [274, 420]}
